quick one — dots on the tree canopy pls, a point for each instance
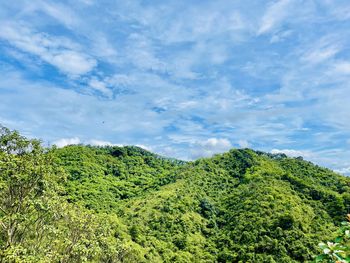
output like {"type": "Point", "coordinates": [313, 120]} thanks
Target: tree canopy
{"type": "Point", "coordinates": [124, 204]}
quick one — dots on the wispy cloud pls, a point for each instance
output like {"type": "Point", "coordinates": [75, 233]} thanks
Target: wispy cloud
{"type": "Point", "coordinates": [99, 86]}
{"type": "Point", "coordinates": [293, 153]}
{"type": "Point", "coordinates": [317, 56]}
{"type": "Point", "coordinates": [66, 141]}
{"type": "Point", "coordinates": [209, 147]}
{"type": "Point", "coordinates": [342, 67]}
{"type": "Point", "coordinates": [344, 170]}
{"type": "Point", "coordinates": [274, 15]}
{"type": "Point", "coordinates": [60, 52]}
{"type": "Point", "coordinates": [58, 11]}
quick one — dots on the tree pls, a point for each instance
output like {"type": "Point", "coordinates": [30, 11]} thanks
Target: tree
{"type": "Point", "coordinates": [37, 224]}
{"type": "Point", "coordinates": [339, 250]}
{"type": "Point", "coordinates": [24, 188]}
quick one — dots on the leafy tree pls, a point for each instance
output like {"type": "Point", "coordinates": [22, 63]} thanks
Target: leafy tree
{"type": "Point", "coordinates": [36, 222]}
{"type": "Point", "coordinates": [24, 188]}
{"type": "Point", "coordinates": [339, 250]}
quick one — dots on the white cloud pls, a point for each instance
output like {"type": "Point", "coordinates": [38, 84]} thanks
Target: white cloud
{"type": "Point", "coordinates": [59, 52]}
{"type": "Point", "coordinates": [145, 147]}
{"type": "Point", "coordinates": [95, 142]}
{"type": "Point", "coordinates": [100, 86]}
{"type": "Point", "coordinates": [274, 15]}
{"type": "Point", "coordinates": [210, 146]}
{"type": "Point", "coordinates": [216, 144]}
{"type": "Point", "coordinates": [293, 153]}
{"type": "Point", "coordinates": [56, 10]}
{"type": "Point", "coordinates": [140, 52]}
{"type": "Point", "coordinates": [320, 55]}
{"type": "Point", "coordinates": [342, 67]}
{"type": "Point", "coordinates": [343, 170]}
{"type": "Point", "coordinates": [88, 2]}
{"type": "Point", "coordinates": [197, 24]}
{"type": "Point", "coordinates": [66, 141]}
{"type": "Point", "coordinates": [340, 10]}
{"type": "Point", "coordinates": [71, 62]}
{"type": "Point", "coordinates": [281, 36]}
{"type": "Point", "coordinates": [243, 143]}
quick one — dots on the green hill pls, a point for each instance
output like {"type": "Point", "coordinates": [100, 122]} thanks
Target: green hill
{"type": "Point", "coordinates": [125, 204]}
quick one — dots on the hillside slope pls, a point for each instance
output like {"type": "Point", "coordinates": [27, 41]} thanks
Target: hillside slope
{"type": "Point", "coordinates": [240, 206]}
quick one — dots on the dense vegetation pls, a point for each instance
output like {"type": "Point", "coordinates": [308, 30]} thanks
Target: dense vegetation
{"type": "Point", "coordinates": [125, 204]}
{"type": "Point", "coordinates": [339, 250]}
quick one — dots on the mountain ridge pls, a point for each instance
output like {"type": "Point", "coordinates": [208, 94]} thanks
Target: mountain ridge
{"type": "Point", "coordinates": [239, 174]}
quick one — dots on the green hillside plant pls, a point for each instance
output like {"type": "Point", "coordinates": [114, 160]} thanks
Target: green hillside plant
{"type": "Point", "coordinates": [337, 251]}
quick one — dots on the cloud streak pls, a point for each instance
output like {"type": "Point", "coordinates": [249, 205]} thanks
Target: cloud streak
{"type": "Point", "coordinates": [59, 52]}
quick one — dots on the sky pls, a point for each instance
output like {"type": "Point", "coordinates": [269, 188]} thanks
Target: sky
{"type": "Point", "coordinates": [185, 79]}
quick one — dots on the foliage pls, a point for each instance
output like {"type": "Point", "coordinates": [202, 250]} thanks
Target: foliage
{"type": "Point", "coordinates": [36, 222]}
{"type": "Point", "coordinates": [100, 177]}
{"type": "Point", "coordinates": [339, 250]}
{"type": "Point", "coordinates": [125, 204]}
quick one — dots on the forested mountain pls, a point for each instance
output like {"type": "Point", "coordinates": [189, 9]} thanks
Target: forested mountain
{"type": "Point", "coordinates": [125, 204]}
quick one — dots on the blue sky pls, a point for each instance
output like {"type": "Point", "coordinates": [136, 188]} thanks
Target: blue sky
{"type": "Point", "coordinates": [185, 79]}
